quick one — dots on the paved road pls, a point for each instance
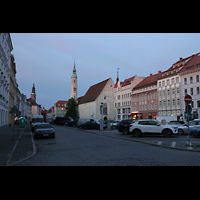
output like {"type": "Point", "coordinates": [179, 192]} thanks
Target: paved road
{"type": "Point", "coordinates": [74, 147]}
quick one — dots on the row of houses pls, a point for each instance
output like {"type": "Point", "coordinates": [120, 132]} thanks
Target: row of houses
{"type": "Point", "coordinates": [157, 96]}
{"type": "Point", "coordinates": [13, 103]}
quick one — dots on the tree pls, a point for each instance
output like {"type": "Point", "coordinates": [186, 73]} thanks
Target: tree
{"type": "Point", "coordinates": [71, 109]}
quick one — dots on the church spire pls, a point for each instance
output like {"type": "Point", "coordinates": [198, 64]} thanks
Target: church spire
{"type": "Point", "coordinates": [74, 71]}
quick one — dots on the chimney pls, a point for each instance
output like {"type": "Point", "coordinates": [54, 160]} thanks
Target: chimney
{"type": "Point", "coordinates": [150, 74]}
{"type": "Point", "coordinates": [159, 72]}
{"type": "Point", "coordinates": [180, 58]}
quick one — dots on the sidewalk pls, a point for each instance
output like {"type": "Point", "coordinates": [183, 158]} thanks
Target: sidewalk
{"type": "Point", "coordinates": [16, 144]}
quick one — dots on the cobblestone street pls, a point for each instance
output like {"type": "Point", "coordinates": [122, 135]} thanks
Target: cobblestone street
{"type": "Point", "coordinates": [74, 147]}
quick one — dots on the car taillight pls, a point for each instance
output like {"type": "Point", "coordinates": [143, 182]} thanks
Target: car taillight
{"type": "Point", "coordinates": [131, 125]}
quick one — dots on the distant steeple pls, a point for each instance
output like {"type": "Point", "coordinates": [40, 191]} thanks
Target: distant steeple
{"type": "Point", "coordinates": [33, 94]}
{"type": "Point", "coordinates": [117, 75]}
{"type": "Point", "coordinates": [74, 71]}
{"type": "Point", "coordinates": [74, 83]}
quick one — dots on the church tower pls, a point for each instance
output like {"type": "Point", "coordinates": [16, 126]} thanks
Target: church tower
{"type": "Point", "coordinates": [33, 94]}
{"type": "Point", "coordinates": [74, 83]}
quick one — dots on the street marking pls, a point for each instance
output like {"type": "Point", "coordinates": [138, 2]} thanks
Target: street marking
{"type": "Point", "coordinates": [190, 148]}
{"type": "Point", "coordinates": [173, 144]}
{"type": "Point", "coordinates": [160, 142]}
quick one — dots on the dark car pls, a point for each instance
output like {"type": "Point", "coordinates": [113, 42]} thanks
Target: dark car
{"type": "Point", "coordinates": [44, 130]}
{"type": "Point", "coordinates": [61, 120]}
{"type": "Point", "coordinates": [90, 125]}
{"type": "Point", "coordinates": [123, 126]}
{"type": "Point", "coordinates": [71, 122]}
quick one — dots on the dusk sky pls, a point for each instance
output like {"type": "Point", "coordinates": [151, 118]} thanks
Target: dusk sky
{"type": "Point", "coordinates": [48, 59]}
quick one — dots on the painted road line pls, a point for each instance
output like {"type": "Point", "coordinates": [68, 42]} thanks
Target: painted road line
{"type": "Point", "coordinates": [173, 144]}
{"type": "Point", "coordinates": [160, 142]}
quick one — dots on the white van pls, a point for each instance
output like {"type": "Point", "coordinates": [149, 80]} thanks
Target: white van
{"type": "Point", "coordinates": [84, 120]}
{"type": "Point", "coordinates": [36, 119]}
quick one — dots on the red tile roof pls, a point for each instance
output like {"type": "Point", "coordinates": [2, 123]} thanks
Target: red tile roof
{"type": "Point", "coordinates": [60, 103]}
{"type": "Point", "coordinates": [126, 82]}
{"type": "Point", "coordinates": [93, 92]}
{"type": "Point", "coordinates": [194, 63]}
{"type": "Point", "coordinates": [149, 80]}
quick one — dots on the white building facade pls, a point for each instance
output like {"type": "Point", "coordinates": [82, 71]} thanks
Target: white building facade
{"type": "Point", "coordinates": [122, 93]}
{"type": "Point", "coordinates": [99, 94]}
{"type": "Point", "coordinates": [5, 57]}
{"type": "Point", "coordinates": [190, 84]}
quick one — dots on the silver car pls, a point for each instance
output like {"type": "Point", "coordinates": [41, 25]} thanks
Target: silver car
{"type": "Point", "coordinates": [192, 124]}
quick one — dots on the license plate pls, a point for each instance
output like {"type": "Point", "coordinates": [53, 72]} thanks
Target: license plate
{"type": "Point", "coordinates": [46, 135]}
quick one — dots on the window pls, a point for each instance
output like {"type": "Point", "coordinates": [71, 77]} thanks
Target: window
{"type": "Point", "coordinates": [177, 90]}
{"type": "Point", "coordinates": [197, 78]}
{"type": "Point", "coordinates": [168, 103]}
{"type": "Point", "coordinates": [163, 83]}
{"type": "Point", "coordinates": [198, 104]}
{"type": "Point", "coordinates": [172, 80]}
{"type": "Point", "coordinates": [197, 90]}
{"type": "Point", "coordinates": [167, 81]}
{"type": "Point", "coordinates": [168, 92]}
{"type": "Point", "coordinates": [185, 92]}
{"type": "Point", "coordinates": [173, 102]}
{"type": "Point", "coordinates": [178, 102]}
{"type": "Point", "coordinates": [191, 91]}
{"type": "Point", "coordinates": [177, 79]}
{"type": "Point", "coordinates": [191, 79]}
{"type": "Point", "coordinates": [149, 106]}
{"type": "Point", "coordinates": [160, 84]}
{"type": "Point", "coordinates": [152, 106]}
{"type": "Point", "coordinates": [185, 81]}
{"type": "Point", "coordinates": [155, 106]}
{"type": "Point", "coordinates": [173, 91]}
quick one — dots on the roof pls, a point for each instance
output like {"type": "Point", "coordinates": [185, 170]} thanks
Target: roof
{"type": "Point", "coordinates": [149, 80]}
{"type": "Point", "coordinates": [32, 101]}
{"type": "Point", "coordinates": [176, 67]}
{"type": "Point", "coordinates": [93, 92]}
{"type": "Point", "coordinates": [60, 103]}
{"type": "Point", "coordinates": [193, 64]}
{"type": "Point", "coordinates": [126, 82]}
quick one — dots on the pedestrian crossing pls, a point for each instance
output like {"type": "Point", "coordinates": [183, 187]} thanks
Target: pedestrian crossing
{"type": "Point", "coordinates": [172, 144]}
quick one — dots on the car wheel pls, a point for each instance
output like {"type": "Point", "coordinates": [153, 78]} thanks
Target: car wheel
{"type": "Point", "coordinates": [137, 133]}
{"type": "Point", "coordinates": [167, 133]}
{"type": "Point", "coordinates": [180, 132]}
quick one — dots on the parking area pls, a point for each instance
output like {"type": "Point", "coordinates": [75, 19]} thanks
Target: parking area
{"type": "Point", "coordinates": [175, 141]}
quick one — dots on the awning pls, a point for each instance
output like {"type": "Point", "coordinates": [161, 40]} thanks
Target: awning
{"type": "Point", "coordinates": [132, 114]}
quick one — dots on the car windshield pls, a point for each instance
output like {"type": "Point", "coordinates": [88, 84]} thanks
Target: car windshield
{"type": "Point", "coordinates": [41, 126]}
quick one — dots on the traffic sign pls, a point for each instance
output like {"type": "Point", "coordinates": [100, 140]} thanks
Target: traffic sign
{"type": "Point", "coordinates": [188, 99]}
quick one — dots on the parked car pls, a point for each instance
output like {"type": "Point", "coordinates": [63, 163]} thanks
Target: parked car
{"type": "Point", "coordinates": [192, 124]}
{"type": "Point", "coordinates": [61, 120]}
{"type": "Point", "coordinates": [84, 120]}
{"type": "Point", "coordinates": [94, 125]}
{"type": "Point", "coordinates": [44, 130]}
{"type": "Point", "coordinates": [179, 124]}
{"type": "Point", "coordinates": [124, 125]}
{"type": "Point", "coordinates": [195, 132]}
{"type": "Point", "coordinates": [152, 126]}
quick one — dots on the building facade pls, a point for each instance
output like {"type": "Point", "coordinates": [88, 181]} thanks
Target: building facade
{"type": "Point", "coordinates": [99, 94]}
{"type": "Point", "coordinates": [122, 100]}
{"type": "Point", "coordinates": [12, 90]}
{"type": "Point", "coordinates": [5, 56]}
{"type": "Point", "coordinates": [190, 84]}
{"type": "Point", "coordinates": [60, 108]}
{"type": "Point", "coordinates": [169, 92]}
{"type": "Point", "coordinates": [145, 98]}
